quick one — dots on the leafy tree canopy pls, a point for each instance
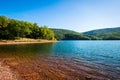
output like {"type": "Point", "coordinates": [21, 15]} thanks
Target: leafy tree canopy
{"type": "Point", "coordinates": [12, 29]}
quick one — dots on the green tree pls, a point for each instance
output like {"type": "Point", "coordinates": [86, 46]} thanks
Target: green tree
{"type": "Point", "coordinates": [46, 33]}
{"type": "Point", "coordinates": [3, 22]}
{"type": "Point", "coordinates": [3, 25]}
{"type": "Point", "coordinates": [12, 29]}
{"type": "Point", "coordinates": [35, 31]}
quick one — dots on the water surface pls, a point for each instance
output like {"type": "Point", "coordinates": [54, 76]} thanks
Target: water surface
{"type": "Point", "coordinates": [96, 59]}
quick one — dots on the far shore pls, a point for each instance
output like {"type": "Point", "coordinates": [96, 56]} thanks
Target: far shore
{"type": "Point", "coordinates": [25, 41]}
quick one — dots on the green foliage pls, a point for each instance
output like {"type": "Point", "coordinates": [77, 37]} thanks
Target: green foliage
{"type": "Point", "coordinates": [105, 34]}
{"type": "Point", "coordinates": [62, 34]}
{"type": "Point", "coordinates": [46, 33]}
{"type": "Point", "coordinates": [3, 22]}
{"type": "Point", "coordinates": [3, 25]}
{"type": "Point", "coordinates": [12, 29]}
{"type": "Point", "coordinates": [75, 37]}
{"type": "Point", "coordinates": [102, 34]}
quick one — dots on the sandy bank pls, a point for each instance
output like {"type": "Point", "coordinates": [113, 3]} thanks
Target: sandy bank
{"type": "Point", "coordinates": [25, 42]}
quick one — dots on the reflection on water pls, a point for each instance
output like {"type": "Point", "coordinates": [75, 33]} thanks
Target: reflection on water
{"type": "Point", "coordinates": [65, 60]}
{"type": "Point", "coordinates": [25, 50]}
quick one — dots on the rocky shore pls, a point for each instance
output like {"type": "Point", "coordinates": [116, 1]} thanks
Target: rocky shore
{"type": "Point", "coordinates": [6, 73]}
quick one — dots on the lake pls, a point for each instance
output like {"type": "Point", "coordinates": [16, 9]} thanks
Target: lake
{"type": "Point", "coordinates": [71, 60]}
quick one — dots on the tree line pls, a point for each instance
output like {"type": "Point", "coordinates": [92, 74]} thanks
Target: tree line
{"type": "Point", "coordinates": [104, 34]}
{"type": "Point", "coordinates": [11, 29]}
{"type": "Point", "coordinates": [63, 34]}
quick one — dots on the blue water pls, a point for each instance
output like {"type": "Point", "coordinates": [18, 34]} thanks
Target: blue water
{"type": "Point", "coordinates": [104, 52]}
{"type": "Point", "coordinates": [103, 57]}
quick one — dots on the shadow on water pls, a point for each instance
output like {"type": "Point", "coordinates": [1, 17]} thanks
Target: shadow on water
{"type": "Point", "coordinates": [25, 50]}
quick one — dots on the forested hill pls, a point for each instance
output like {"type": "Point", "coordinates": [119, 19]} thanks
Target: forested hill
{"type": "Point", "coordinates": [100, 34]}
{"type": "Point", "coordinates": [63, 34]}
{"type": "Point", "coordinates": [105, 34]}
{"type": "Point", "coordinates": [15, 29]}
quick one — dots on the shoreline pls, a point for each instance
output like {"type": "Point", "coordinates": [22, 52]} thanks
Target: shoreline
{"type": "Point", "coordinates": [39, 69]}
{"type": "Point", "coordinates": [25, 42]}
{"type": "Point", "coordinates": [6, 73]}
{"type": "Point", "coordinates": [46, 68]}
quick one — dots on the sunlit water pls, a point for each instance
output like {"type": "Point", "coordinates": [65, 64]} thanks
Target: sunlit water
{"type": "Point", "coordinates": [97, 57]}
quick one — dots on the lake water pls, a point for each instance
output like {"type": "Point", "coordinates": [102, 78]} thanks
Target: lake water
{"type": "Point", "coordinates": [97, 59]}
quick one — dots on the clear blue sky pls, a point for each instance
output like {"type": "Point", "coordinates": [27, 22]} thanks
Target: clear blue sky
{"type": "Point", "coordinates": [77, 15]}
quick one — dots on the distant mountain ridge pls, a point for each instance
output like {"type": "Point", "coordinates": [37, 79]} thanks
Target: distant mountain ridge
{"type": "Point", "coordinates": [99, 34]}
{"type": "Point", "coordinates": [105, 34]}
{"type": "Point", "coordinates": [101, 31]}
{"type": "Point", "coordinates": [64, 34]}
